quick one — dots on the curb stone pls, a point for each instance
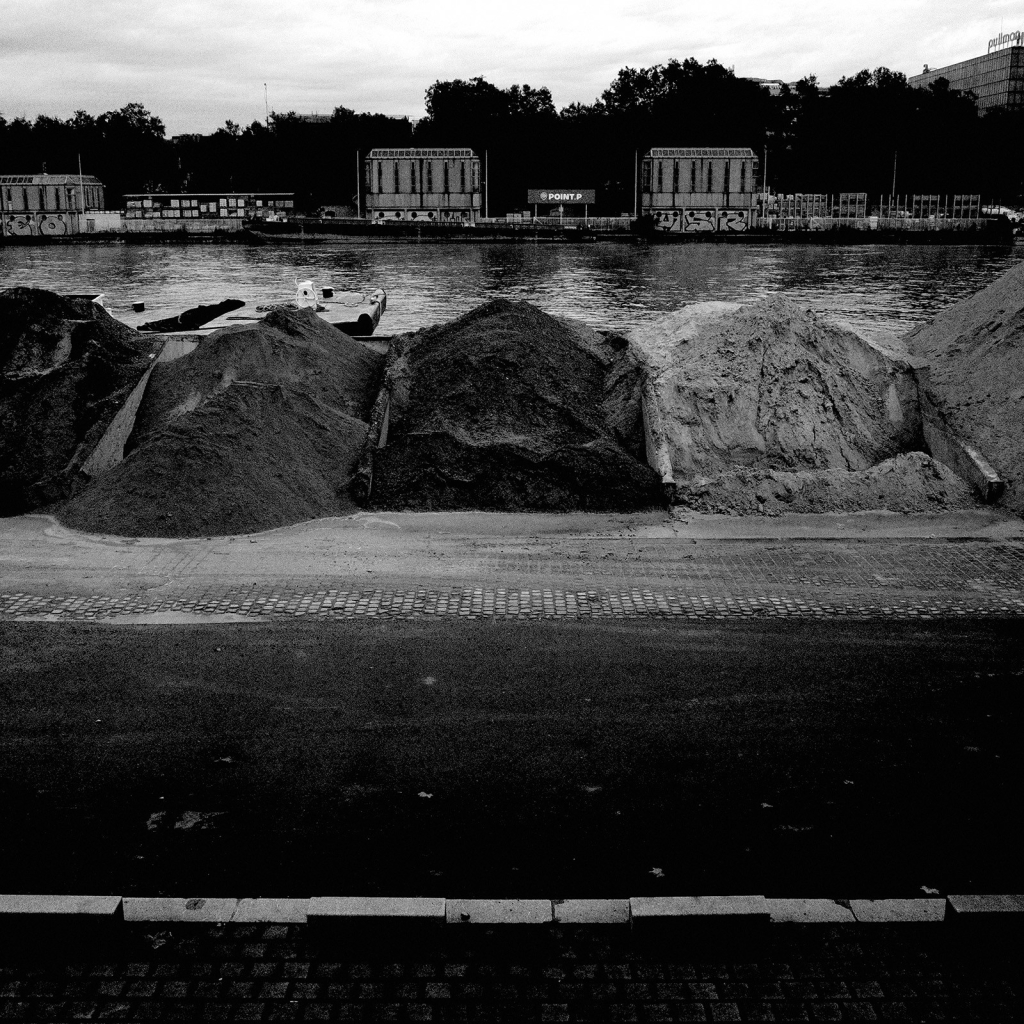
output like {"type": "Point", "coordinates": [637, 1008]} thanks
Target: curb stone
{"type": "Point", "coordinates": [591, 912]}
{"type": "Point", "coordinates": [916, 911]}
{"type": "Point", "coordinates": [790, 911]}
{"type": "Point", "coordinates": [643, 914]}
{"type": "Point", "coordinates": [499, 912]}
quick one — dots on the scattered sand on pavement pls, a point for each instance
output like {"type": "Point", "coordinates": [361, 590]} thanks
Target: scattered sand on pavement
{"type": "Point", "coordinates": [66, 367]}
{"type": "Point", "coordinates": [509, 408]}
{"type": "Point", "coordinates": [975, 349]}
{"type": "Point", "coordinates": [769, 406]}
{"type": "Point", "coordinates": [260, 426]}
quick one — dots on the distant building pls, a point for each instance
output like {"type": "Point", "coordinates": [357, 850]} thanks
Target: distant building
{"type": "Point", "coordinates": [700, 190]}
{"type": "Point", "coordinates": [776, 85]}
{"type": "Point", "coordinates": [422, 184]}
{"type": "Point", "coordinates": [48, 204]}
{"type": "Point", "coordinates": [996, 79]}
{"type": "Point", "coordinates": [773, 85]}
{"type": "Point", "coordinates": [177, 206]}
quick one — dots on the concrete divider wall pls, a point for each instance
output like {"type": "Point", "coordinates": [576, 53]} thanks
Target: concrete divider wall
{"type": "Point", "coordinates": [377, 435]}
{"type": "Point", "coordinates": [178, 345]}
{"type": "Point", "coordinates": [110, 449]}
{"type": "Point", "coordinates": [947, 447]}
{"type": "Point", "coordinates": [656, 448]}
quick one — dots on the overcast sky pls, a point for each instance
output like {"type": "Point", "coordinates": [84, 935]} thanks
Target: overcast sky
{"type": "Point", "coordinates": [197, 63]}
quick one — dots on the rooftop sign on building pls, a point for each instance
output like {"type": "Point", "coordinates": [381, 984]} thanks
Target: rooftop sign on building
{"type": "Point", "coordinates": [1006, 39]}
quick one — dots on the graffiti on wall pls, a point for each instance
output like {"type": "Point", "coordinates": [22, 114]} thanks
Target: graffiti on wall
{"type": "Point", "coordinates": [21, 224]}
{"type": "Point", "coordinates": [701, 221]}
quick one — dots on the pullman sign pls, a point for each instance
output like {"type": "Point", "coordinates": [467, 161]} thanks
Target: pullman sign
{"type": "Point", "coordinates": [585, 196]}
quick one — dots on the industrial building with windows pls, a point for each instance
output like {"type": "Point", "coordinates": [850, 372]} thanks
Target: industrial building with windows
{"type": "Point", "coordinates": [422, 184]}
{"type": "Point", "coordinates": [49, 204]}
{"type": "Point", "coordinates": [700, 190]}
{"type": "Point", "coordinates": [206, 205]}
{"type": "Point", "coordinates": [996, 79]}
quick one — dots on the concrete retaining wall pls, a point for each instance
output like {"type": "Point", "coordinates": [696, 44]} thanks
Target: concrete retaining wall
{"type": "Point", "coordinates": [953, 451]}
{"type": "Point", "coordinates": [178, 345]}
{"type": "Point", "coordinates": [175, 225]}
{"type": "Point", "coordinates": [658, 454]}
{"type": "Point", "coordinates": [110, 450]}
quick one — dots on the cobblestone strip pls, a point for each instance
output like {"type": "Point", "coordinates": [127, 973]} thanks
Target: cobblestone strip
{"type": "Point", "coordinates": [274, 972]}
{"type": "Point", "coordinates": [484, 603]}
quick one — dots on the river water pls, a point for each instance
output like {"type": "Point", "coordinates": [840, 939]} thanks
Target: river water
{"type": "Point", "coordinates": [879, 289]}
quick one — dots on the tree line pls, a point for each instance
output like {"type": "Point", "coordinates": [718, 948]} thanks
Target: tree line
{"type": "Point", "coordinates": [855, 136]}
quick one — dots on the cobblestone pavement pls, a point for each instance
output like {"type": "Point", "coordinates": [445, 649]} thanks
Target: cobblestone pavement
{"type": "Point", "coordinates": [277, 972]}
{"type": "Point", "coordinates": [747, 580]}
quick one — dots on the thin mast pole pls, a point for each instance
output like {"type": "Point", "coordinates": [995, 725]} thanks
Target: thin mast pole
{"type": "Point", "coordinates": [636, 183]}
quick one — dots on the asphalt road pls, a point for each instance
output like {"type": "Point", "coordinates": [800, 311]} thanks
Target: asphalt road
{"type": "Point", "coordinates": [480, 758]}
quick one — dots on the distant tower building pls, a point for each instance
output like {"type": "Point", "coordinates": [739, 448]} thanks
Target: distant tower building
{"type": "Point", "coordinates": [422, 184]}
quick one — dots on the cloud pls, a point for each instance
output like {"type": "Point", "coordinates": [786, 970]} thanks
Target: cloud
{"type": "Point", "coordinates": [197, 64]}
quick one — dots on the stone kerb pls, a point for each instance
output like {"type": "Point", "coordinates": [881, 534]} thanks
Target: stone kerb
{"type": "Point", "coordinates": [812, 911]}
{"type": "Point", "coordinates": [376, 918]}
{"type": "Point", "coordinates": [499, 912]}
{"type": "Point", "coordinates": [916, 911]}
{"type": "Point", "coordinates": [198, 910]}
{"type": "Point", "coordinates": [56, 918]}
{"type": "Point", "coordinates": [591, 912]}
{"type": "Point", "coordinates": [81, 917]}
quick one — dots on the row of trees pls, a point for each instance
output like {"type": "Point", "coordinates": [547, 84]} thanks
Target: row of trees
{"type": "Point", "coordinates": [850, 137]}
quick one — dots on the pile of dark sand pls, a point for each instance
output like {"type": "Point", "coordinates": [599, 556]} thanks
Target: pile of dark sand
{"type": "Point", "coordinates": [66, 367]}
{"type": "Point", "coordinates": [975, 350]}
{"type": "Point", "coordinates": [508, 408]}
{"type": "Point", "coordinates": [261, 426]}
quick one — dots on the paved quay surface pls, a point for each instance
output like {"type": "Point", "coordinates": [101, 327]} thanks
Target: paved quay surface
{"type": "Point", "coordinates": [279, 972]}
{"type": "Point", "coordinates": [514, 758]}
{"type": "Point", "coordinates": [478, 565]}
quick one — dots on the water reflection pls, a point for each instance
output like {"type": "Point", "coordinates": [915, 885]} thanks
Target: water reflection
{"type": "Point", "coordinates": [877, 288]}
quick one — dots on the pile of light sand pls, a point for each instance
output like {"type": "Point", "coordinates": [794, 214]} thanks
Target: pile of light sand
{"type": "Point", "coordinates": [768, 407]}
{"type": "Point", "coordinates": [913, 482]}
{"type": "Point", "coordinates": [770, 385]}
{"type": "Point", "coordinates": [975, 350]}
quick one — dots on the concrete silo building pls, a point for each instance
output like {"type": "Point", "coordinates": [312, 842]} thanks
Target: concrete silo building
{"type": "Point", "coordinates": [422, 184]}
{"type": "Point", "coordinates": [700, 190]}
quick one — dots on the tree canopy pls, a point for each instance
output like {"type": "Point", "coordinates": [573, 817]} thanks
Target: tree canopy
{"type": "Point", "coordinates": [849, 137]}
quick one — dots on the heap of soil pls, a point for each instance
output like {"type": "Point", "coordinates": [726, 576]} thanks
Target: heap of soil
{"type": "Point", "coordinates": [913, 482]}
{"type": "Point", "coordinates": [66, 367]}
{"type": "Point", "coordinates": [509, 408]}
{"type": "Point", "coordinates": [260, 426]}
{"type": "Point", "coordinates": [975, 349]}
